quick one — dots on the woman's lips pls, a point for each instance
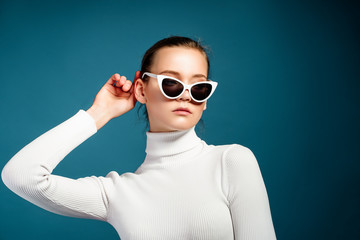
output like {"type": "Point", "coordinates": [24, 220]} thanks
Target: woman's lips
{"type": "Point", "coordinates": [182, 111]}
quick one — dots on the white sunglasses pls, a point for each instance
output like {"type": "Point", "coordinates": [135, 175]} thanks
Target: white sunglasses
{"type": "Point", "coordinates": [173, 88]}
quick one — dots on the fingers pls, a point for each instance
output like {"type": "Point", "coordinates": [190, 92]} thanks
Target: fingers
{"type": "Point", "coordinates": [114, 78]}
{"type": "Point", "coordinates": [121, 82]}
{"type": "Point", "coordinates": [127, 85]}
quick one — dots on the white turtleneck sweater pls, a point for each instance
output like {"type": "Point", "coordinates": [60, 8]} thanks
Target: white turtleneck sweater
{"type": "Point", "coordinates": [184, 189]}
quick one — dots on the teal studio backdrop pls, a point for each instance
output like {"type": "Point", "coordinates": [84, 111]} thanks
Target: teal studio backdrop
{"type": "Point", "coordinates": [288, 74]}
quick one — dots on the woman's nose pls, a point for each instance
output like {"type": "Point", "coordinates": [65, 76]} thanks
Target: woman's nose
{"type": "Point", "coordinates": [185, 96]}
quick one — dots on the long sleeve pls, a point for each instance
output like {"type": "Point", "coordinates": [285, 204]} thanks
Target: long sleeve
{"type": "Point", "coordinates": [246, 194]}
{"type": "Point", "coordinates": [28, 173]}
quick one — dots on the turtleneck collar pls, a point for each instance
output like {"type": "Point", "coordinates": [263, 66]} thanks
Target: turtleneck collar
{"type": "Point", "coordinates": [163, 144]}
{"type": "Point", "coordinates": [165, 147]}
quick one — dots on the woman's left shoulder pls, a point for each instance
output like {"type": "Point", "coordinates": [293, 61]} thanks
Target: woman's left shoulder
{"type": "Point", "coordinates": [235, 153]}
{"type": "Point", "coordinates": [232, 148]}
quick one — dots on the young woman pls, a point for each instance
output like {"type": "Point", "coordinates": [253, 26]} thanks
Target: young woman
{"type": "Point", "coordinates": [184, 189]}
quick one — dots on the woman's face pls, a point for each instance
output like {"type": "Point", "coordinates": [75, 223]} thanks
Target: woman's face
{"type": "Point", "coordinates": [189, 66]}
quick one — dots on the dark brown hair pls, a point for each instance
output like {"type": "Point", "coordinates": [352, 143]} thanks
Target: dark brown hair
{"type": "Point", "coordinates": [173, 41]}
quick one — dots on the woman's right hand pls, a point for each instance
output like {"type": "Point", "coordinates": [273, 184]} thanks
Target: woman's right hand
{"type": "Point", "coordinates": [115, 98]}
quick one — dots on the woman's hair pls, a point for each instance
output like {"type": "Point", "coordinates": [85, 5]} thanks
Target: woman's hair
{"type": "Point", "coordinates": [173, 41]}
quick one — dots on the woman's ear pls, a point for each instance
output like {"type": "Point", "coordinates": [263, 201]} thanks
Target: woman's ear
{"type": "Point", "coordinates": [204, 106]}
{"type": "Point", "coordinates": [139, 90]}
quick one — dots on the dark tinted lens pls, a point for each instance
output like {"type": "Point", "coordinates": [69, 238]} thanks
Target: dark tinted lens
{"type": "Point", "coordinates": [171, 87]}
{"type": "Point", "coordinates": [201, 91]}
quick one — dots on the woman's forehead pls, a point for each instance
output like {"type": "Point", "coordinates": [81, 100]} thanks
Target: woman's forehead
{"type": "Point", "coordinates": [180, 60]}
{"type": "Point", "coordinates": [178, 74]}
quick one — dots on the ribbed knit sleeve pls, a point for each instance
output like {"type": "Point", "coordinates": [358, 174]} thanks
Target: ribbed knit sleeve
{"type": "Point", "coordinates": [246, 194]}
{"type": "Point", "coordinates": [28, 173]}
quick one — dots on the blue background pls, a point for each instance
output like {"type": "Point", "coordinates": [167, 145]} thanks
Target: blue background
{"type": "Point", "coordinates": [288, 74]}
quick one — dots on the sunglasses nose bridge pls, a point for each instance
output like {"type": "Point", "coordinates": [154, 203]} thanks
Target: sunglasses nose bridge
{"type": "Point", "coordinates": [186, 94]}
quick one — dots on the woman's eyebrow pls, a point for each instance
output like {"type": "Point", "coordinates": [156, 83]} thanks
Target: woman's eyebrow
{"type": "Point", "coordinates": [178, 74]}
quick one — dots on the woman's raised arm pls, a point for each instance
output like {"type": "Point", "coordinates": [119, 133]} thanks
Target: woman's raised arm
{"type": "Point", "coordinates": [29, 172]}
